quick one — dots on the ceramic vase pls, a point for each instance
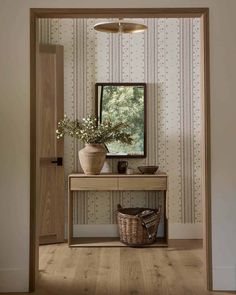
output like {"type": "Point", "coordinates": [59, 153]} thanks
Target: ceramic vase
{"type": "Point", "coordinates": [92, 158]}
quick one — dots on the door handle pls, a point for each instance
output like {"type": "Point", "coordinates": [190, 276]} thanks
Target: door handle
{"type": "Point", "coordinates": [58, 161]}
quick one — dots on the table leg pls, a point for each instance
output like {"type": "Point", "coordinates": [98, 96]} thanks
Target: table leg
{"type": "Point", "coordinates": [70, 216]}
{"type": "Point", "coordinates": [165, 219]}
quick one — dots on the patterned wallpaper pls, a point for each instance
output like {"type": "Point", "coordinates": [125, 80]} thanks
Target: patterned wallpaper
{"type": "Point", "coordinates": [167, 58]}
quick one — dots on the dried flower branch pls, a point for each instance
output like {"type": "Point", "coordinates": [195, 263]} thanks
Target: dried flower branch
{"type": "Point", "coordinates": [89, 130]}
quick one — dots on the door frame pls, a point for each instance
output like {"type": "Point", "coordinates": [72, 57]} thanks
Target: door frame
{"type": "Point", "coordinates": [203, 13]}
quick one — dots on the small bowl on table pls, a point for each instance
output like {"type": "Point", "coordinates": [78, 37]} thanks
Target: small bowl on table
{"type": "Point", "coordinates": [148, 169]}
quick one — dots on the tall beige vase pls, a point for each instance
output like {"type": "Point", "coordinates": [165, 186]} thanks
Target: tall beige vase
{"type": "Point", "coordinates": [92, 158]}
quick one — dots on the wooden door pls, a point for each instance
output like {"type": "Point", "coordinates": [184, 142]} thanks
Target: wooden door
{"type": "Point", "coordinates": [50, 104]}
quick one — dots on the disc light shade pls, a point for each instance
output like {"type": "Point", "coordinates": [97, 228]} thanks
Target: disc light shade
{"type": "Point", "coordinates": [120, 27]}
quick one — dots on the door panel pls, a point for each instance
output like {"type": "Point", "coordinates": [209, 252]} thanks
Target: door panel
{"type": "Point", "coordinates": [50, 98]}
{"type": "Point", "coordinates": [47, 200]}
{"type": "Point", "coordinates": [48, 102]}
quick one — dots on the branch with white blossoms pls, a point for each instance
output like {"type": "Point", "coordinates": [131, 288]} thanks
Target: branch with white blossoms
{"type": "Point", "coordinates": [89, 130]}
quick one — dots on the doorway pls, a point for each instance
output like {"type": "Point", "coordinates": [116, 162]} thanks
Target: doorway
{"type": "Point", "coordinates": [134, 13]}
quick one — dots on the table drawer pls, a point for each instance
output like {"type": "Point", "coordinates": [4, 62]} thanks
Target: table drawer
{"type": "Point", "coordinates": [94, 184]}
{"type": "Point", "coordinates": [143, 184]}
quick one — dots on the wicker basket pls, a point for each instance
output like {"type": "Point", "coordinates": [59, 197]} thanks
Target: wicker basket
{"type": "Point", "coordinates": [131, 230]}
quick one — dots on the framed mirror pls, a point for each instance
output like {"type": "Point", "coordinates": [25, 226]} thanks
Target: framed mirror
{"type": "Point", "coordinates": [124, 102]}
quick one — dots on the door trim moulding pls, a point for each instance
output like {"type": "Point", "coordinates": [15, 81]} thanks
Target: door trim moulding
{"type": "Point", "coordinates": [203, 13]}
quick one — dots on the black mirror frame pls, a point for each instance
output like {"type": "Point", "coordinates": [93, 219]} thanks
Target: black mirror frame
{"type": "Point", "coordinates": [145, 115]}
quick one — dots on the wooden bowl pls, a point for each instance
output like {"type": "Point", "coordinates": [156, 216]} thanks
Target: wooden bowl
{"type": "Point", "coordinates": [148, 169]}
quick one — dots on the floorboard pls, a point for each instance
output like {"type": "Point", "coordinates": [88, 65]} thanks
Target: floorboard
{"type": "Point", "coordinates": [176, 270]}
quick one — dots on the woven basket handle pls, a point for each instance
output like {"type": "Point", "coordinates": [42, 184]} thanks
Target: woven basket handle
{"type": "Point", "coordinates": [119, 207]}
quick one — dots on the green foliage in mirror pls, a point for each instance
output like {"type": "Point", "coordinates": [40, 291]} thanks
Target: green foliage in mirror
{"type": "Point", "coordinates": [124, 103]}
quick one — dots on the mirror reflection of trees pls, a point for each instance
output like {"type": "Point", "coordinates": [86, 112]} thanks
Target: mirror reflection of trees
{"type": "Point", "coordinates": [125, 104]}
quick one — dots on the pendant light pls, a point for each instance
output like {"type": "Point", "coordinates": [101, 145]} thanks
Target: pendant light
{"type": "Point", "coordinates": [120, 26]}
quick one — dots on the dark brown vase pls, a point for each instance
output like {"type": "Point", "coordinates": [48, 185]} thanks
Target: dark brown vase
{"type": "Point", "coordinates": [122, 167]}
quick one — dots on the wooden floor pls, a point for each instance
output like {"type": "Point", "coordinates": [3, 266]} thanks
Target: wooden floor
{"type": "Point", "coordinates": [177, 270]}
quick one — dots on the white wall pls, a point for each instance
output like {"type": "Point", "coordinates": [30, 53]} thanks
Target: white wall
{"type": "Point", "coordinates": [14, 131]}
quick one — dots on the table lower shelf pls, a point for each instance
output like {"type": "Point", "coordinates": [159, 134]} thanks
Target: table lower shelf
{"type": "Point", "coordinates": [110, 242]}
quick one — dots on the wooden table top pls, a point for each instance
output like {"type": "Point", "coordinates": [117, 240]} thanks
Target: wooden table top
{"type": "Point", "coordinates": [160, 174]}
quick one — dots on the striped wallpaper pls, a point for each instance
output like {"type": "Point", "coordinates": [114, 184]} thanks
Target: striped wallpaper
{"type": "Point", "coordinates": [167, 58]}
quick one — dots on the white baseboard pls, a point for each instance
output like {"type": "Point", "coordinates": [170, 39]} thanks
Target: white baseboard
{"type": "Point", "coordinates": [95, 230]}
{"type": "Point", "coordinates": [224, 278]}
{"type": "Point", "coordinates": [185, 231]}
{"type": "Point", "coordinates": [14, 280]}
{"type": "Point", "coordinates": [176, 230]}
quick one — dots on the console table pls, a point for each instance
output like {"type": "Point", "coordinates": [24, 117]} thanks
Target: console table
{"type": "Point", "coordinates": [115, 182]}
